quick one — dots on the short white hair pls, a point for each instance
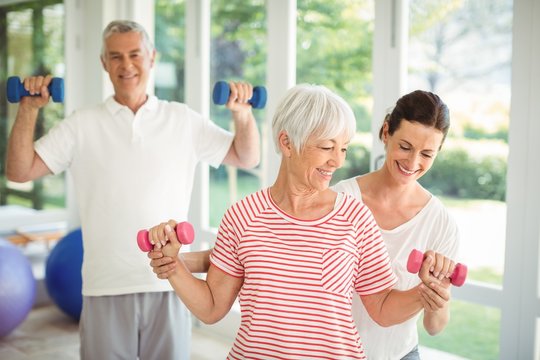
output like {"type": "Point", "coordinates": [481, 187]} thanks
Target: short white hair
{"type": "Point", "coordinates": [308, 110]}
{"type": "Point", "coordinates": [125, 26]}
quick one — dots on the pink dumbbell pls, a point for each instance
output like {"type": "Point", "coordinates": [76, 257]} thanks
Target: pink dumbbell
{"type": "Point", "coordinates": [184, 233]}
{"type": "Point", "coordinates": [416, 258]}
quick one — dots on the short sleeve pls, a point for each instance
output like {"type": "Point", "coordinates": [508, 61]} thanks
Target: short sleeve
{"type": "Point", "coordinates": [212, 142]}
{"type": "Point", "coordinates": [446, 240]}
{"type": "Point", "coordinates": [225, 252]}
{"type": "Point", "coordinates": [375, 272]}
{"type": "Point", "coordinates": [56, 148]}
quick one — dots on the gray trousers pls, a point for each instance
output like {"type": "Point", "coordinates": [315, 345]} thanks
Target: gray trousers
{"type": "Point", "coordinates": [143, 326]}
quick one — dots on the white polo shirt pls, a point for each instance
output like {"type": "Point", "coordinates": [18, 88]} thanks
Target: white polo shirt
{"type": "Point", "coordinates": [131, 171]}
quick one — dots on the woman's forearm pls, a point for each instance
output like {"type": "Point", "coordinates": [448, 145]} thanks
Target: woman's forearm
{"type": "Point", "coordinates": [197, 261]}
{"type": "Point", "coordinates": [435, 298]}
{"type": "Point", "coordinates": [209, 300]}
{"type": "Point", "coordinates": [193, 292]}
{"type": "Point", "coordinates": [436, 321]}
{"type": "Point", "coordinates": [392, 307]}
{"type": "Point", "coordinates": [400, 306]}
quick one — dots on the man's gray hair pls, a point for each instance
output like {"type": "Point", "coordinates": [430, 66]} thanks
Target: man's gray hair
{"type": "Point", "coordinates": [312, 110]}
{"type": "Point", "coordinates": [125, 26]}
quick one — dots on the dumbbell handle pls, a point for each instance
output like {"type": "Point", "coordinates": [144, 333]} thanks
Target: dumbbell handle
{"type": "Point", "coordinates": [222, 91]}
{"type": "Point", "coordinates": [184, 233]}
{"type": "Point", "coordinates": [16, 90]}
{"type": "Point", "coordinates": [416, 258]}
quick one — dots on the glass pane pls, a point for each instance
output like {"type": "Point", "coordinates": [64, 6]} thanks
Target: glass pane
{"type": "Point", "coordinates": [170, 46]}
{"type": "Point", "coordinates": [20, 50]}
{"type": "Point", "coordinates": [334, 47]}
{"type": "Point", "coordinates": [35, 46]}
{"type": "Point", "coordinates": [470, 172]}
{"type": "Point", "coordinates": [473, 333]}
{"type": "Point", "coordinates": [238, 53]}
{"type": "Point", "coordinates": [537, 340]}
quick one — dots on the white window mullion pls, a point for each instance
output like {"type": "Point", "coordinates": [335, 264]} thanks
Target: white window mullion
{"type": "Point", "coordinates": [390, 41]}
{"type": "Point", "coordinates": [197, 85]}
{"type": "Point", "coordinates": [521, 274]}
{"type": "Point", "coordinates": [280, 75]}
{"type": "Point", "coordinates": [480, 293]}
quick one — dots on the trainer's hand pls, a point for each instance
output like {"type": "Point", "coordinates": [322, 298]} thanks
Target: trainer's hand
{"type": "Point", "coordinates": [435, 295]}
{"type": "Point", "coordinates": [163, 266]}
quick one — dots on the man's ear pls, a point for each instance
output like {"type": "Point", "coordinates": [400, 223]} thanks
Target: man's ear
{"type": "Point", "coordinates": [103, 63]}
{"type": "Point", "coordinates": [152, 57]}
{"type": "Point", "coordinates": [285, 143]}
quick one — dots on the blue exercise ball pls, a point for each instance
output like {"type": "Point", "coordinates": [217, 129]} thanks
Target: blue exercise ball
{"type": "Point", "coordinates": [63, 277]}
{"type": "Point", "coordinates": [17, 287]}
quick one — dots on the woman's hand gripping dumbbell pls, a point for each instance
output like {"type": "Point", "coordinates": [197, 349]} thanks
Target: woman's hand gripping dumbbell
{"type": "Point", "coordinates": [416, 258]}
{"type": "Point", "coordinates": [184, 232]}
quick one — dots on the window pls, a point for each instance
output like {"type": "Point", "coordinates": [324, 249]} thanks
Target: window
{"type": "Point", "coordinates": [334, 46]}
{"type": "Point", "coordinates": [169, 43]}
{"type": "Point", "coordinates": [33, 33]}
{"type": "Point", "coordinates": [238, 53]}
{"type": "Point", "coordinates": [470, 172]}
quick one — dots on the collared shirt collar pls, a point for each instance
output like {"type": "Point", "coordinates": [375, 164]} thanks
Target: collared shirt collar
{"type": "Point", "coordinates": [114, 107]}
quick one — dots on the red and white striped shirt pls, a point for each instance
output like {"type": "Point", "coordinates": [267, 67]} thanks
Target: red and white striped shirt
{"type": "Point", "coordinates": [299, 276]}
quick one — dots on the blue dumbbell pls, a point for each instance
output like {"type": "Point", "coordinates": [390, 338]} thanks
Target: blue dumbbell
{"type": "Point", "coordinates": [16, 90]}
{"type": "Point", "coordinates": [221, 93]}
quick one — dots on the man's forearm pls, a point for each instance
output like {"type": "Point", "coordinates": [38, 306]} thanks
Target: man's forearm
{"type": "Point", "coordinates": [20, 150]}
{"type": "Point", "coordinates": [246, 141]}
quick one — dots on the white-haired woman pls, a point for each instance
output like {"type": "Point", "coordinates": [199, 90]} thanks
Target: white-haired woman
{"type": "Point", "coordinates": [295, 252]}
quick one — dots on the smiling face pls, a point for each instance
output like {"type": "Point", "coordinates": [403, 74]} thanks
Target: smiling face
{"type": "Point", "coordinates": [128, 63]}
{"type": "Point", "coordinates": [313, 167]}
{"type": "Point", "coordinates": [411, 150]}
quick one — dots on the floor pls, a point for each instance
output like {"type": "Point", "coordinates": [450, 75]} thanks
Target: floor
{"type": "Point", "coordinates": [48, 334]}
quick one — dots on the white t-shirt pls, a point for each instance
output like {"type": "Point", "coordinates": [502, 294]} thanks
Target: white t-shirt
{"type": "Point", "coordinates": [431, 229]}
{"type": "Point", "coordinates": [299, 277]}
{"type": "Point", "coordinates": [130, 172]}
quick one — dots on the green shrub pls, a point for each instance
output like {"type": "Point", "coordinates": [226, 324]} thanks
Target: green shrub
{"type": "Point", "coordinates": [357, 163]}
{"type": "Point", "coordinates": [458, 174]}
{"type": "Point", "coordinates": [471, 131]}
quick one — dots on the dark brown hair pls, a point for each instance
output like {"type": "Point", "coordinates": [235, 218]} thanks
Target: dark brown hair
{"type": "Point", "coordinates": [422, 107]}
